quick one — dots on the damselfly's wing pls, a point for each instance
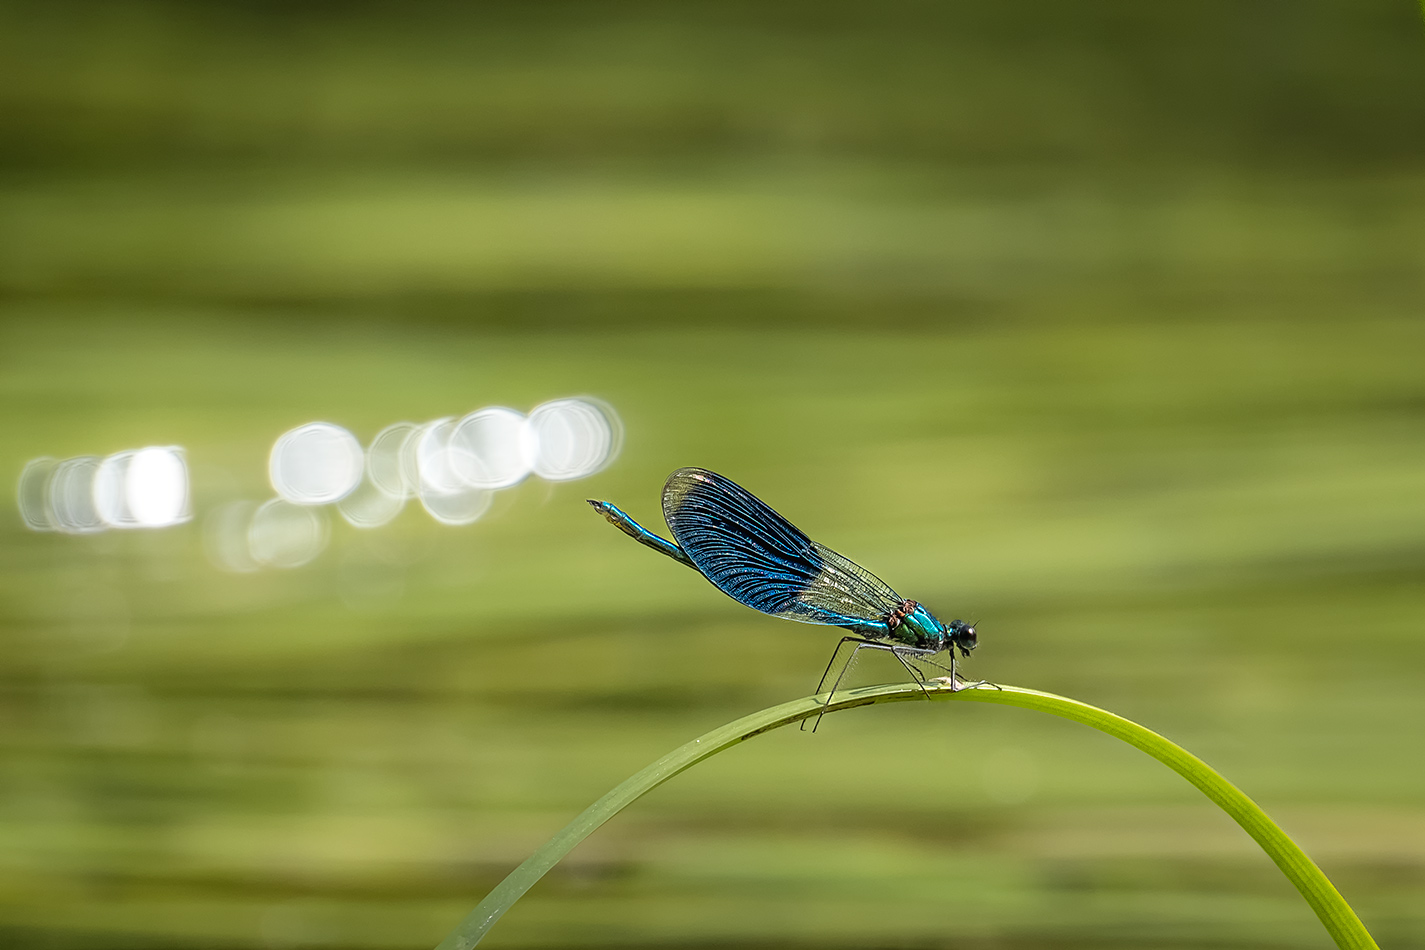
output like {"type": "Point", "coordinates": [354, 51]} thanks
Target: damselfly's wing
{"type": "Point", "coordinates": [761, 559]}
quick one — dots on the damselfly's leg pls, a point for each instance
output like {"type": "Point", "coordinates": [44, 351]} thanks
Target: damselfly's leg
{"type": "Point", "coordinates": [955, 685]}
{"type": "Point", "coordinates": [860, 645]}
{"type": "Point", "coordinates": [829, 663]}
{"type": "Point", "coordinates": [915, 674]}
{"type": "Point", "coordinates": [978, 683]}
{"type": "Point", "coordinates": [899, 652]}
{"type": "Point", "coordinates": [827, 672]}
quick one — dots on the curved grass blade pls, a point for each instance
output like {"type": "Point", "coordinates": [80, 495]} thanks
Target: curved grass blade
{"type": "Point", "coordinates": [1335, 914]}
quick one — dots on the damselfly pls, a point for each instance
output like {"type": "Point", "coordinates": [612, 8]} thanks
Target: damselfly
{"type": "Point", "coordinates": [761, 559]}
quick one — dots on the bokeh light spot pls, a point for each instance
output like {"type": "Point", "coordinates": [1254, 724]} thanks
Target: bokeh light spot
{"type": "Point", "coordinates": [444, 494]}
{"type": "Point", "coordinates": [156, 487]}
{"type": "Point", "coordinates": [32, 494]}
{"type": "Point", "coordinates": [370, 505]}
{"type": "Point", "coordinates": [225, 537]}
{"type": "Point", "coordinates": [315, 464]}
{"type": "Point", "coordinates": [71, 496]}
{"type": "Point", "coordinates": [487, 448]}
{"type": "Point", "coordinates": [282, 534]}
{"type": "Point", "coordinates": [386, 465]}
{"type": "Point", "coordinates": [572, 438]}
{"type": "Point", "coordinates": [111, 500]}
{"type": "Point", "coordinates": [435, 468]}
{"type": "Point", "coordinates": [458, 507]}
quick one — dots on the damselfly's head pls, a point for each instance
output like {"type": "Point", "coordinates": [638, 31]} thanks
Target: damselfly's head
{"type": "Point", "coordinates": [960, 634]}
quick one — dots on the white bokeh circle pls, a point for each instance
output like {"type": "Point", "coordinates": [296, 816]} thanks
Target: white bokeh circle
{"type": "Point", "coordinates": [488, 448]}
{"type": "Point", "coordinates": [434, 457]}
{"type": "Point", "coordinates": [460, 507]}
{"type": "Point", "coordinates": [282, 534]}
{"type": "Point", "coordinates": [386, 464]}
{"type": "Point", "coordinates": [71, 495]}
{"type": "Point", "coordinates": [370, 505]}
{"type": "Point", "coordinates": [315, 464]}
{"type": "Point", "coordinates": [32, 494]}
{"type": "Point", "coordinates": [571, 438]}
{"type": "Point", "coordinates": [226, 538]}
{"type": "Point", "coordinates": [111, 500]}
{"type": "Point", "coordinates": [156, 487]}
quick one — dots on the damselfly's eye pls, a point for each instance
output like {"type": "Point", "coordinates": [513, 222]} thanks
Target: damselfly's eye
{"type": "Point", "coordinates": [966, 638]}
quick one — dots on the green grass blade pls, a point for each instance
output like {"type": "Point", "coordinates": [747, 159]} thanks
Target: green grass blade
{"type": "Point", "coordinates": [1340, 921]}
{"type": "Point", "coordinates": [1337, 916]}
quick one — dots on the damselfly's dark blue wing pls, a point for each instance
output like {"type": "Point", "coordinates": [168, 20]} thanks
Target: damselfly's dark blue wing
{"type": "Point", "coordinates": [761, 559]}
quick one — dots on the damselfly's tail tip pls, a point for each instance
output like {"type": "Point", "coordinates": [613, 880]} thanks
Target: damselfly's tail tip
{"type": "Point", "coordinates": [597, 505]}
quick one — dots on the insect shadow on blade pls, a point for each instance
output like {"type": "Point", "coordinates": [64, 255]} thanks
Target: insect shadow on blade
{"type": "Point", "coordinates": [758, 558]}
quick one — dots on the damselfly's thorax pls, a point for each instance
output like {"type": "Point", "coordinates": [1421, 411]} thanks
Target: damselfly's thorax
{"type": "Point", "coordinates": [910, 623]}
{"type": "Point", "coordinates": [896, 617]}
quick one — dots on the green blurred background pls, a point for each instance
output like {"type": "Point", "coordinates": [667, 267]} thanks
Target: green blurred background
{"type": "Point", "coordinates": [1098, 323]}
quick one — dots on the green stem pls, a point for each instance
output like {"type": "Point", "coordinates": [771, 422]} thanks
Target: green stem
{"type": "Point", "coordinates": [1340, 921]}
